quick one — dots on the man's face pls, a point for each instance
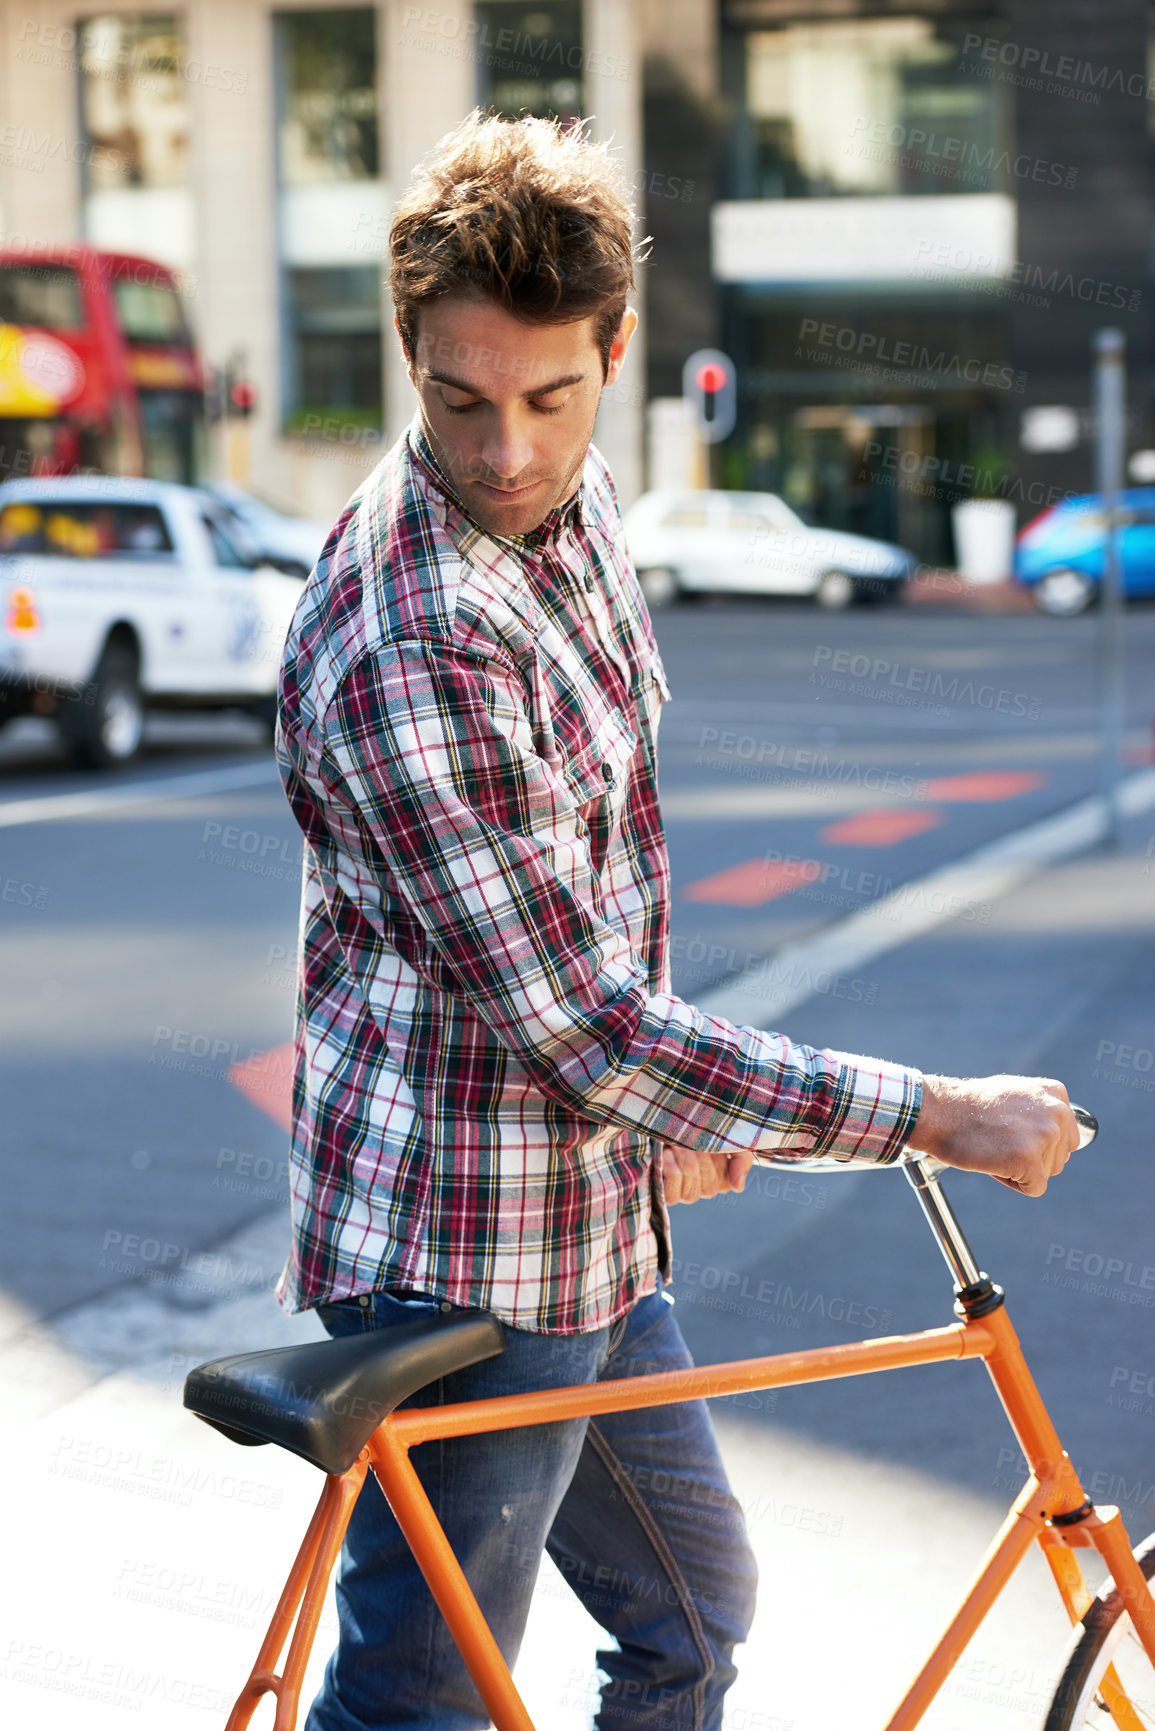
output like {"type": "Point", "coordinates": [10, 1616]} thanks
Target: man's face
{"type": "Point", "coordinates": [509, 407]}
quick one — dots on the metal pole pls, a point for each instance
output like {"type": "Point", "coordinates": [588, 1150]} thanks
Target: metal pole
{"type": "Point", "coordinates": [1110, 383]}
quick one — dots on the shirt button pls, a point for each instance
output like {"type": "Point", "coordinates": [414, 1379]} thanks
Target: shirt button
{"type": "Point", "coordinates": [589, 582]}
{"type": "Point", "coordinates": [608, 774]}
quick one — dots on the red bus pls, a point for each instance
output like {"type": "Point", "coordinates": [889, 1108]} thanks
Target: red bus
{"type": "Point", "coordinates": [98, 369]}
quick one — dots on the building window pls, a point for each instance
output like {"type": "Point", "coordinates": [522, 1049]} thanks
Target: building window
{"type": "Point", "coordinates": [529, 58]}
{"type": "Point", "coordinates": [866, 107]}
{"type": "Point", "coordinates": [334, 328]}
{"type": "Point", "coordinates": [332, 207]}
{"type": "Point", "coordinates": [135, 114]}
{"type": "Point", "coordinates": [327, 64]}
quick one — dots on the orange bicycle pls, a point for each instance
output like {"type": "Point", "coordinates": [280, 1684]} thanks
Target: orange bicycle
{"type": "Point", "coordinates": [335, 1403]}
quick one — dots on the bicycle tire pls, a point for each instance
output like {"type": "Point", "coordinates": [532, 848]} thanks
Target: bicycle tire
{"type": "Point", "coordinates": [1104, 1638]}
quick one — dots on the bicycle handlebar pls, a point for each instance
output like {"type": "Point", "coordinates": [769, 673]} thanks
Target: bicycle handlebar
{"type": "Point", "coordinates": [1088, 1125]}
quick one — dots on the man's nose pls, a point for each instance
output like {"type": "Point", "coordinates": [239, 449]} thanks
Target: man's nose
{"type": "Point", "coordinates": [507, 450]}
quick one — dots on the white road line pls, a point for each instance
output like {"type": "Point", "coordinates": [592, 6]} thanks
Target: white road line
{"type": "Point", "coordinates": [787, 978]}
{"type": "Point", "coordinates": [53, 808]}
{"type": "Point", "coordinates": [805, 799]}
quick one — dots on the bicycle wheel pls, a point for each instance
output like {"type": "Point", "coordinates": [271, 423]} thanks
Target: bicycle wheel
{"type": "Point", "coordinates": [1105, 1641]}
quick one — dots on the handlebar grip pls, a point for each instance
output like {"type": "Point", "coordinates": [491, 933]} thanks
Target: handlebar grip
{"type": "Point", "coordinates": [1088, 1125]}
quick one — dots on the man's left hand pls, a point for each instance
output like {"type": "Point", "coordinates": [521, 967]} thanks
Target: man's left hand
{"type": "Point", "coordinates": [688, 1176]}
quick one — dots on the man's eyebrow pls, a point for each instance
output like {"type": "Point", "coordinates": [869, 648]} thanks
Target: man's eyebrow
{"type": "Point", "coordinates": [472, 390]}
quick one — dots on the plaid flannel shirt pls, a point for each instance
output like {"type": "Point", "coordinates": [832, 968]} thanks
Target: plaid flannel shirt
{"type": "Point", "coordinates": [488, 1054]}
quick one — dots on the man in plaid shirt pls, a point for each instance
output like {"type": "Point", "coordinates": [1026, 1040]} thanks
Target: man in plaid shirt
{"type": "Point", "coordinates": [496, 1093]}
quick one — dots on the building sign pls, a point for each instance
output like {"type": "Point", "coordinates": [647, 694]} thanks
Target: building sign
{"type": "Point", "coordinates": [964, 238]}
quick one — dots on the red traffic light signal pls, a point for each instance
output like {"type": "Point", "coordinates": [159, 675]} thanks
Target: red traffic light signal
{"type": "Point", "coordinates": [710, 376]}
{"type": "Point", "coordinates": [242, 397]}
{"type": "Point", "coordinates": [708, 385]}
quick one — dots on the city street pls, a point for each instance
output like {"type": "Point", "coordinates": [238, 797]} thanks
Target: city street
{"type": "Point", "coordinates": [813, 766]}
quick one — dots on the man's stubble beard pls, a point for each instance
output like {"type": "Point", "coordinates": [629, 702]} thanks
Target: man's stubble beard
{"type": "Point", "coordinates": [477, 505]}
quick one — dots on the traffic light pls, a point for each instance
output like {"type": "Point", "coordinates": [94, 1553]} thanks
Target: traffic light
{"type": "Point", "coordinates": [242, 397]}
{"type": "Point", "coordinates": [708, 386]}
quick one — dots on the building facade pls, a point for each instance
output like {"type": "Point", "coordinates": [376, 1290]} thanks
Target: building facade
{"type": "Point", "coordinates": [258, 148]}
{"type": "Point", "coordinates": [915, 218]}
{"type": "Point", "coordinates": [904, 221]}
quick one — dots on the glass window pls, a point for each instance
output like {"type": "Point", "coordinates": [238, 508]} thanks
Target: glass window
{"type": "Point", "coordinates": [226, 551]}
{"type": "Point", "coordinates": [149, 312]}
{"type": "Point", "coordinates": [70, 529]}
{"type": "Point", "coordinates": [45, 295]}
{"type": "Point", "coordinates": [529, 58]}
{"type": "Point", "coordinates": [334, 316]}
{"type": "Point", "coordinates": [134, 101]}
{"type": "Point", "coordinates": [327, 72]}
{"type": "Point", "coordinates": [867, 106]}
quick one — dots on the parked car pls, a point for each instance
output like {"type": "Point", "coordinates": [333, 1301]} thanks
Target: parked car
{"type": "Point", "coordinates": [1060, 554]}
{"type": "Point", "coordinates": [119, 594]}
{"type": "Point", "coordinates": [291, 544]}
{"type": "Point", "coordinates": [685, 543]}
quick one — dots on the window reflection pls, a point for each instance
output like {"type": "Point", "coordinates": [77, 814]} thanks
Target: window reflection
{"type": "Point", "coordinates": [529, 58]}
{"type": "Point", "coordinates": [134, 101]}
{"type": "Point", "coordinates": [328, 98]}
{"type": "Point", "coordinates": [867, 107]}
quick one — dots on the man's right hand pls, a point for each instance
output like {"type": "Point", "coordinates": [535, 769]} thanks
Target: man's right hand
{"type": "Point", "coordinates": [1018, 1129]}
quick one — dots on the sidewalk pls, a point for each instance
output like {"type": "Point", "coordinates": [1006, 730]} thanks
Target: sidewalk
{"type": "Point", "coordinates": [867, 1515]}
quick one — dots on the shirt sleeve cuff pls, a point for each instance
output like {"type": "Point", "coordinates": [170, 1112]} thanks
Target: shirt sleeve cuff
{"type": "Point", "coordinates": [876, 1107]}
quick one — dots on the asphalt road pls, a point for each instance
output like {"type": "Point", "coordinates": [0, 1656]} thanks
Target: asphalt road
{"type": "Point", "coordinates": [147, 948]}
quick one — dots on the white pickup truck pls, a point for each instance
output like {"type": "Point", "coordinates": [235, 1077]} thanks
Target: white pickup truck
{"type": "Point", "coordinates": [118, 595]}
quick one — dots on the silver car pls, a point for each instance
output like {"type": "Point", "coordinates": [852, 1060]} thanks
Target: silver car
{"type": "Point", "coordinates": [754, 544]}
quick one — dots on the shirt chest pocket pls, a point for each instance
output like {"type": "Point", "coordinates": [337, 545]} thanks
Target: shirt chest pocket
{"type": "Point", "coordinates": [600, 769]}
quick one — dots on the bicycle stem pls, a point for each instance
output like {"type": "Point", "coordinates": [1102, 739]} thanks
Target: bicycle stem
{"type": "Point", "coordinates": [922, 1173]}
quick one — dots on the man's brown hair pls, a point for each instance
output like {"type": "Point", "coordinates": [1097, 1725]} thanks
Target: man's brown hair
{"type": "Point", "coordinates": [526, 213]}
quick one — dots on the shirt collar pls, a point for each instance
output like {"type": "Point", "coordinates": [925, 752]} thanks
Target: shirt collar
{"type": "Point", "coordinates": [567, 515]}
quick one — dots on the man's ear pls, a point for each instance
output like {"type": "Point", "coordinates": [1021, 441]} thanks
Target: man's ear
{"type": "Point", "coordinates": [620, 344]}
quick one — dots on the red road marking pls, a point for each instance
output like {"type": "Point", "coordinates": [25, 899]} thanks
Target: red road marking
{"type": "Point", "coordinates": [266, 1081]}
{"type": "Point", "coordinates": [882, 825]}
{"type": "Point", "coordinates": [757, 881]}
{"type": "Point", "coordinates": [985, 784]}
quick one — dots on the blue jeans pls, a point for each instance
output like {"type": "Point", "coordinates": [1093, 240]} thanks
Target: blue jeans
{"type": "Point", "coordinates": [633, 1508]}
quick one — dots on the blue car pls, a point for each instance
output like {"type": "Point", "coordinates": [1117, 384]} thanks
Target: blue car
{"type": "Point", "coordinates": [1060, 555]}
